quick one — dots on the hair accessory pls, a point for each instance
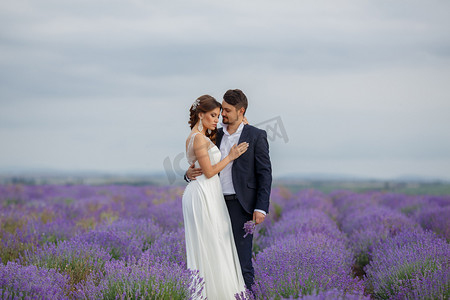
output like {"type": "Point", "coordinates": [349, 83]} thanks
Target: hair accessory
{"type": "Point", "coordinates": [194, 105]}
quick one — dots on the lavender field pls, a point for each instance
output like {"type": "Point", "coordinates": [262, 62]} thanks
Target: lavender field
{"type": "Point", "coordinates": [127, 242]}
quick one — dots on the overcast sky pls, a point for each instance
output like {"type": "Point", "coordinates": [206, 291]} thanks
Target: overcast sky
{"type": "Point", "coordinates": [361, 87]}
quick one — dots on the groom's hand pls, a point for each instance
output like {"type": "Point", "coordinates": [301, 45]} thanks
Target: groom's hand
{"type": "Point", "coordinates": [193, 172]}
{"type": "Point", "coordinates": [258, 217]}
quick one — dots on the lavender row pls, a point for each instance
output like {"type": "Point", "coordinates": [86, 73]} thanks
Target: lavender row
{"type": "Point", "coordinates": [397, 254]}
{"type": "Point", "coordinates": [85, 239]}
{"type": "Point", "coordinates": [303, 253]}
{"type": "Point", "coordinates": [410, 265]}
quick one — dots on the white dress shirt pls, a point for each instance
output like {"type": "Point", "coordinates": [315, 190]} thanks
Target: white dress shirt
{"type": "Point", "coordinates": [226, 178]}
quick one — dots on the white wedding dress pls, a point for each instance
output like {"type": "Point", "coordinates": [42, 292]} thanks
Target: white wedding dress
{"type": "Point", "coordinates": [210, 244]}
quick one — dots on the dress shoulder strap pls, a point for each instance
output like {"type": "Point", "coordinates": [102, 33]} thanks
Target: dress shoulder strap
{"type": "Point", "coordinates": [190, 155]}
{"type": "Point", "coordinates": [191, 140]}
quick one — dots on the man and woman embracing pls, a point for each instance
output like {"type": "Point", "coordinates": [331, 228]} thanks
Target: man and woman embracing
{"type": "Point", "coordinates": [215, 208]}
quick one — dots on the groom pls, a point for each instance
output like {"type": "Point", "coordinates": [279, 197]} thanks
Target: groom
{"type": "Point", "coordinates": [246, 182]}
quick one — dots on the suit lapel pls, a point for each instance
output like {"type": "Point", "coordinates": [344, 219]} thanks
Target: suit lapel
{"type": "Point", "coordinates": [242, 138]}
{"type": "Point", "coordinates": [244, 134]}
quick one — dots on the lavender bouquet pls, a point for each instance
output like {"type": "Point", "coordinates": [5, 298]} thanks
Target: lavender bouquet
{"type": "Point", "coordinates": [249, 227]}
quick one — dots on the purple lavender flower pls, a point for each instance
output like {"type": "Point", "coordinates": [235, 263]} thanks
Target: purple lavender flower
{"type": "Point", "coordinates": [12, 246]}
{"type": "Point", "coordinates": [437, 219]}
{"type": "Point", "coordinates": [300, 221]}
{"type": "Point", "coordinates": [311, 199]}
{"type": "Point", "coordinates": [144, 279]}
{"type": "Point", "coordinates": [294, 215]}
{"type": "Point", "coordinates": [31, 282]}
{"type": "Point", "coordinates": [369, 227]}
{"type": "Point", "coordinates": [145, 229]}
{"type": "Point", "coordinates": [57, 230]}
{"type": "Point", "coordinates": [412, 264]}
{"type": "Point", "coordinates": [301, 264]}
{"type": "Point", "coordinates": [90, 242]}
{"type": "Point", "coordinates": [119, 244]}
{"type": "Point", "coordinates": [249, 228]}
{"type": "Point", "coordinates": [335, 294]}
{"type": "Point", "coordinates": [168, 214]}
{"type": "Point", "coordinates": [169, 247]}
{"type": "Point", "coordinates": [76, 258]}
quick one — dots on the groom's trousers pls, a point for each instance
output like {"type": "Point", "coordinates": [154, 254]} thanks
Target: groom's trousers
{"type": "Point", "coordinates": [244, 246]}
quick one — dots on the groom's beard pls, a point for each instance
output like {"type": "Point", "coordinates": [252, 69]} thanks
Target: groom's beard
{"type": "Point", "coordinates": [226, 120]}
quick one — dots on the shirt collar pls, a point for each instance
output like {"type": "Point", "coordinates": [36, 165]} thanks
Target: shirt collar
{"type": "Point", "coordinates": [238, 131]}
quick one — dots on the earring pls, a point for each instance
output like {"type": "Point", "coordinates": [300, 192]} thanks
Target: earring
{"type": "Point", "coordinates": [209, 131]}
{"type": "Point", "coordinates": [200, 125]}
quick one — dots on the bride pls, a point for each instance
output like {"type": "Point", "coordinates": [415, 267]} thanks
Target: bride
{"type": "Point", "coordinates": [210, 244]}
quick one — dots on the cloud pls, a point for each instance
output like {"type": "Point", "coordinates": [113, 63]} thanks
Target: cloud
{"type": "Point", "coordinates": [351, 80]}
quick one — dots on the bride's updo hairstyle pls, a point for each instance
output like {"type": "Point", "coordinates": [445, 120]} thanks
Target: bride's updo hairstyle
{"type": "Point", "coordinates": [203, 104]}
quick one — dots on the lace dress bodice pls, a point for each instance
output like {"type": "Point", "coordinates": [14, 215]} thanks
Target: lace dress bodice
{"type": "Point", "coordinates": [214, 152]}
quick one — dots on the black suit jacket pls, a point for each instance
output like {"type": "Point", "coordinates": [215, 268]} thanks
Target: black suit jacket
{"type": "Point", "coordinates": [252, 171]}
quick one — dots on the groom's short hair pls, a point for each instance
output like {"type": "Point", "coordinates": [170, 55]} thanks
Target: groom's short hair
{"type": "Point", "coordinates": [236, 98]}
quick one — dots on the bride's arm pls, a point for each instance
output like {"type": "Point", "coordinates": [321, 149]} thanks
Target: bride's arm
{"type": "Point", "coordinates": [201, 152]}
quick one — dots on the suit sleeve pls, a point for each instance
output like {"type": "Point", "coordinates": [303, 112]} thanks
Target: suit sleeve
{"type": "Point", "coordinates": [263, 170]}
